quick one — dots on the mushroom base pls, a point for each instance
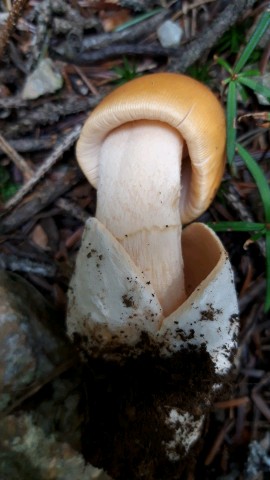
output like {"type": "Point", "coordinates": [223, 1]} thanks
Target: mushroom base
{"type": "Point", "coordinates": [144, 417]}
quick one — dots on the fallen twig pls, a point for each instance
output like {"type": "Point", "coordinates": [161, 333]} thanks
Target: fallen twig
{"type": "Point", "coordinates": [232, 402]}
{"type": "Point", "coordinates": [47, 192]}
{"type": "Point", "coordinates": [187, 7]}
{"type": "Point", "coordinates": [129, 35]}
{"type": "Point", "coordinates": [191, 52]}
{"type": "Point", "coordinates": [19, 161]}
{"type": "Point", "coordinates": [86, 80]}
{"type": "Point", "coordinates": [92, 56]}
{"type": "Point", "coordinates": [74, 238]}
{"type": "Point", "coordinates": [14, 14]}
{"type": "Point", "coordinates": [73, 209]}
{"type": "Point", "coordinates": [257, 398]}
{"type": "Point", "coordinates": [66, 143]}
{"type": "Point", "coordinates": [32, 144]}
{"type": "Point", "coordinates": [218, 441]}
{"type": "Point", "coordinates": [48, 113]}
{"type": "Point", "coordinates": [17, 264]}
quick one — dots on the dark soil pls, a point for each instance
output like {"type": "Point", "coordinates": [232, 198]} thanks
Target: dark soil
{"type": "Point", "coordinates": [127, 407]}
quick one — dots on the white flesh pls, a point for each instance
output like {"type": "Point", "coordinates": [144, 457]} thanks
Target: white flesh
{"type": "Point", "coordinates": [138, 201]}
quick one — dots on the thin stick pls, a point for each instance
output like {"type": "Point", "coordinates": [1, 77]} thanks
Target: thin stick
{"type": "Point", "coordinates": [130, 34]}
{"type": "Point", "coordinates": [258, 400]}
{"type": "Point", "coordinates": [93, 56]}
{"type": "Point", "coordinates": [73, 209]}
{"type": "Point", "coordinates": [18, 264]}
{"type": "Point", "coordinates": [191, 6]}
{"type": "Point", "coordinates": [14, 14]}
{"type": "Point", "coordinates": [191, 52]}
{"type": "Point", "coordinates": [19, 161]}
{"type": "Point", "coordinates": [69, 139]}
{"type": "Point", "coordinates": [218, 442]}
{"type": "Point", "coordinates": [86, 80]}
{"type": "Point", "coordinates": [232, 402]}
{"type": "Point", "coordinates": [46, 193]}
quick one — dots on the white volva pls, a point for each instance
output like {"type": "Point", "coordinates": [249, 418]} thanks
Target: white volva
{"type": "Point", "coordinates": [111, 302]}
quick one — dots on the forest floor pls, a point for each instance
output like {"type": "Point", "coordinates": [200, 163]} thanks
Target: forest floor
{"type": "Point", "coordinates": [80, 50]}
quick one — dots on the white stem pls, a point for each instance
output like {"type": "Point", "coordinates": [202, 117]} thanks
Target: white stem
{"type": "Point", "coordinates": [138, 201]}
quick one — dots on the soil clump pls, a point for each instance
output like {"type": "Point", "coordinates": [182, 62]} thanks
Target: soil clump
{"type": "Point", "coordinates": [128, 406]}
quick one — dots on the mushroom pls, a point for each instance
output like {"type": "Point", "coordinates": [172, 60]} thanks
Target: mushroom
{"type": "Point", "coordinates": [154, 149]}
{"type": "Point", "coordinates": [162, 137]}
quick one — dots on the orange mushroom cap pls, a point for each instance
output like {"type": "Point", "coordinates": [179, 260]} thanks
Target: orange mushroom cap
{"type": "Point", "coordinates": [184, 104]}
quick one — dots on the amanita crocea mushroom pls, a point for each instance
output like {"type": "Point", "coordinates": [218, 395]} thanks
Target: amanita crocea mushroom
{"type": "Point", "coordinates": [142, 287]}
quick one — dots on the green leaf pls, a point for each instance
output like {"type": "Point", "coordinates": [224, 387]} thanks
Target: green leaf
{"type": "Point", "coordinates": [236, 226]}
{"type": "Point", "coordinates": [138, 19]}
{"type": "Point", "coordinates": [231, 121]}
{"type": "Point", "coordinates": [259, 177]}
{"type": "Point", "coordinates": [7, 187]}
{"type": "Point", "coordinates": [261, 28]}
{"type": "Point", "coordinates": [223, 63]}
{"type": "Point", "coordinates": [257, 236]}
{"type": "Point", "coordinates": [232, 39]}
{"type": "Point", "coordinates": [4, 176]}
{"type": "Point", "coordinates": [249, 73]}
{"type": "Point", "coordinates": [257, 87]}
{"type": "Point", "coordinates": [267, 296]}
{"type": "Point", "coordinates": [8, 191]}
{"type": "Point", "coordinates": [126, 72]}
{"type": "Point", "coordinates": [243, 93]}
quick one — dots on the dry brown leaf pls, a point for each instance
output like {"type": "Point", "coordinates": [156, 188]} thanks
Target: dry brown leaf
{"type": "Point", "coordinates": [112, 19]}
{"type": "Point", "coordinates": [39, 236]}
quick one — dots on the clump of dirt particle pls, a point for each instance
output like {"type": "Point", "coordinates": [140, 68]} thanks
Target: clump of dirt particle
{"type": "Point", "coordinates": [127, 407]}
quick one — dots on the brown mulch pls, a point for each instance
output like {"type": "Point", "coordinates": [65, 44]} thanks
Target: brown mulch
{"type": "Point", "coordinates": [42, 223]}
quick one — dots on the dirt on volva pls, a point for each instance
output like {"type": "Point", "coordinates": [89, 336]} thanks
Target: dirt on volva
{"type": "Point", "coordinates": [126, 406]}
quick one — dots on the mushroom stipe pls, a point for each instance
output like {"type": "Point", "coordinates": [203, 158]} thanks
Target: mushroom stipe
{"type": "Point", "coordinates": [152, 306]}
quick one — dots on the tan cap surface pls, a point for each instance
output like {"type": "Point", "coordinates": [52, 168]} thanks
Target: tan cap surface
{"type": "Point", "coordinates": [185, 104]}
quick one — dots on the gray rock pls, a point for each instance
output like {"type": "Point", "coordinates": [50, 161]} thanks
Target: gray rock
{"type": "Point", "coordinates": [32, 344]}
{"type": "Point", "coordinates": [258, 459]}
{"type": "Point", "coordinates": [26, 452]}
{"type": "Point", "coordinates": [59, 410]}
{"type": "Point", "coordinates": [43, 80]}
{"type": "Point", "coordinates": [3, 18]}
{"type": "Point", "coordinates": [169, 34]}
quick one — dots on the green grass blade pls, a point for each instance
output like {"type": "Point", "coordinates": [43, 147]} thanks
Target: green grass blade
{"type": "Point", "coordinates": [138, 19]}
{"type": "Point", "coordinates": [257, 87]}
{"type": "Point", "coordinates": [259, 177]}
{"type": "Point", "coordinates": [243, 92]}
{"type": "Point", "coordinates": [231, 121]}
{"type": "Point", "coordinates": [236, 226]}
{"type": "Point", "coordinates": [249, 73]}
{"type": "Point", "coordinates": [267, 296]}
{"type": "Point", "coordinates": [261, 28]}
{"type": "Point", "coordinates": [223, 63]}
{"type": "Point", "coordinates": [257, 236]}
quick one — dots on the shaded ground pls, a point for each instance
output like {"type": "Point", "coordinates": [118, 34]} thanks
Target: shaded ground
{"type": "Point", "coordinates": [41, 225]}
